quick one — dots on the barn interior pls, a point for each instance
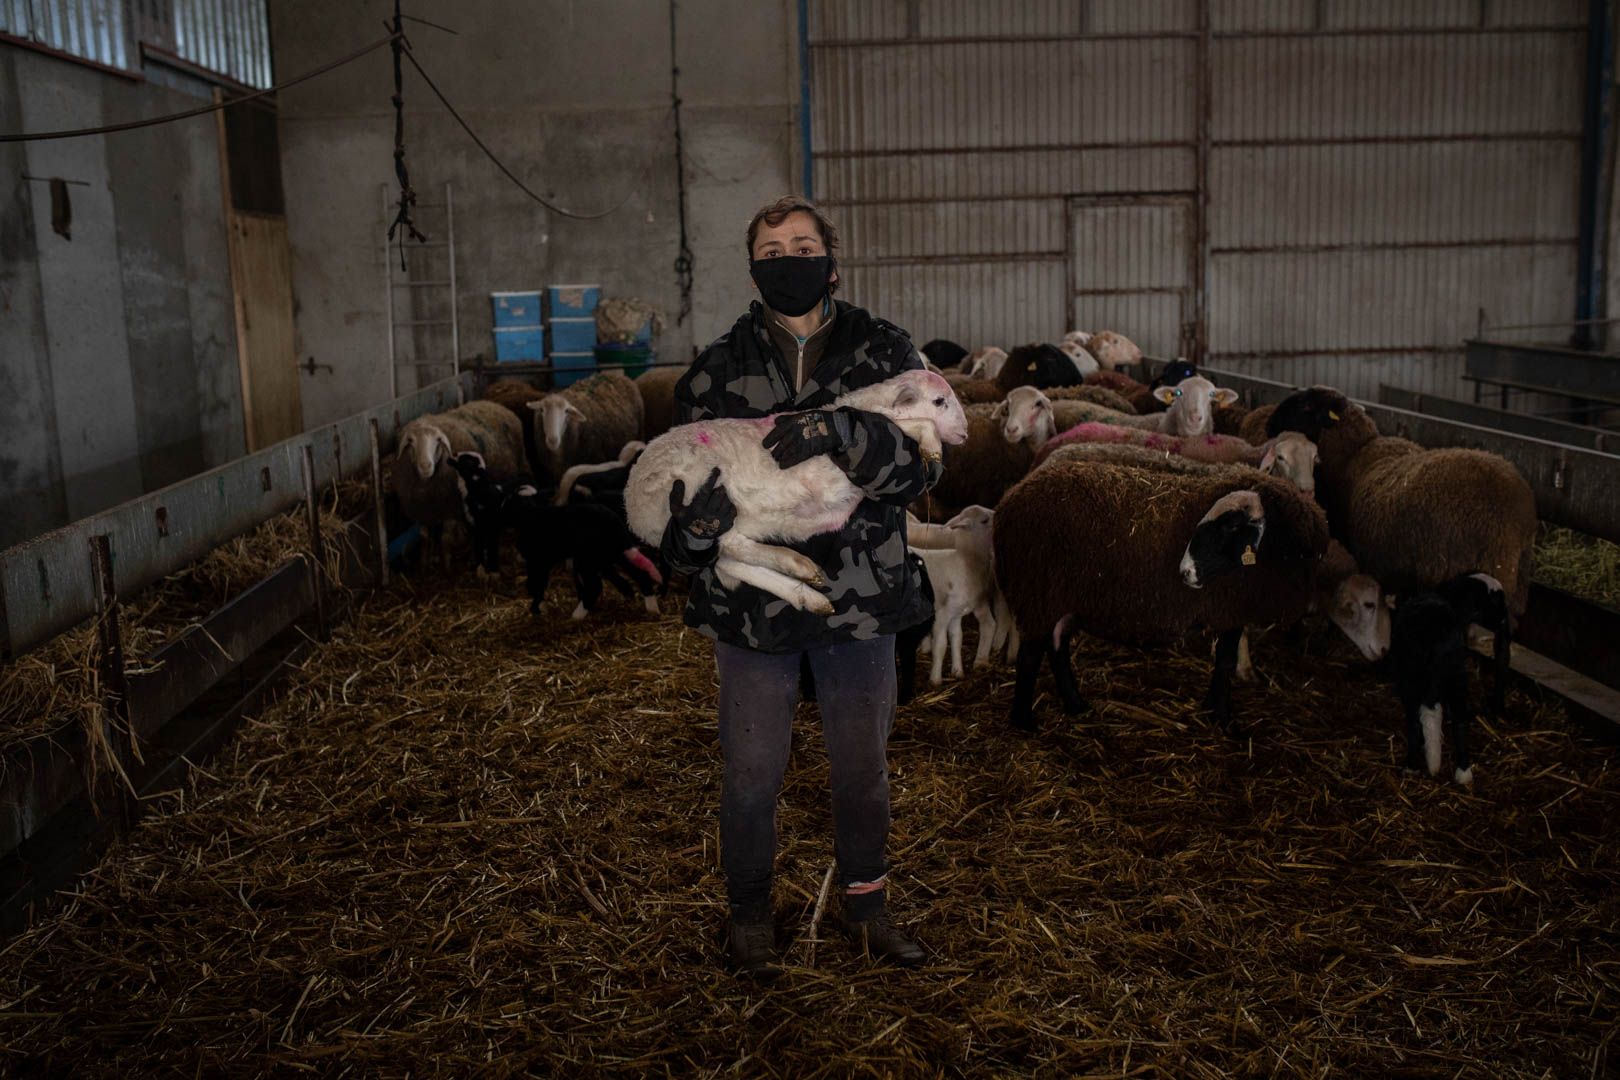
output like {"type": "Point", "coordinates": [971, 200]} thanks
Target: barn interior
{"type": "Point", "coordinates": [292, 779]}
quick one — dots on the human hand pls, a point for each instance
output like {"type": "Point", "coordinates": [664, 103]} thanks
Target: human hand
{"type": "Point", "coordinates": [798, 437]}
{"type": "Point", "coordinates": [710, 513]}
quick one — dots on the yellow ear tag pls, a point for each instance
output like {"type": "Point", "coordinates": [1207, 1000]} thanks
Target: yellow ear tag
{"type": "Point", "coordinates": [1031, 366]}
{"type": "Point", "coordinates": [1248, 556]}
{"type": "Point", "coordinates": [1333, 415]}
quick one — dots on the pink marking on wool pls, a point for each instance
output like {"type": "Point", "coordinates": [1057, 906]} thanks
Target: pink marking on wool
{"type": "Point", "coordinates": [644, 564]}
{"type": "Point", "coordinates": [704, 438]}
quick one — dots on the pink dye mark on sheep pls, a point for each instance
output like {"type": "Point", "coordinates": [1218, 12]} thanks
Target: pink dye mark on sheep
{"type": "Point", "coordinates": [644, 564]}
{"type": "Point", "coordinates": [704, 438]}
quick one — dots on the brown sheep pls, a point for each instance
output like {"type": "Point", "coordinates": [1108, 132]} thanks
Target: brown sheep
{"type": "Point", "coordinates": [1221, 549]}
{"type": "Point", "coordinates": [978, 471]}
{"type": "Point", "coordinates": [1252, 425]}
{"type": "Point", "coordinates": [515, 394]}
{"type": "Point", "coordinates": [1097, 395]}
{"type": "Point", "coordinates": [1415, 518]}
{"type": "Point", "coordinates": [657, 386]}
{"type": "Point", "coordinates": [971, 390]}
{"type": "Point", "coordinates": [423, 477]}
{"type": "Point", "coordinates": [1229, 421]}
{"type": "Point", "coordinates": [1117, 381]}
{"type": "Point", "coordinates": [587, 423]}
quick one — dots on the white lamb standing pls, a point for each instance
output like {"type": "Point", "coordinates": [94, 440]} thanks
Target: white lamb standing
{"type": "Point", "coordinates": [961, 569]}
{"type": "Point", "coordinates": [776, 504]}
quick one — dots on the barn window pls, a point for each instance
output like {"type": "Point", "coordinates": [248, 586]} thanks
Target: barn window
{"type": "Point", "coordinates": [229, 39]}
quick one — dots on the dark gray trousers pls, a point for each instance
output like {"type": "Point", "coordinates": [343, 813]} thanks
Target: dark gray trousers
{"type": "Point", "coordinates": [855, 688]}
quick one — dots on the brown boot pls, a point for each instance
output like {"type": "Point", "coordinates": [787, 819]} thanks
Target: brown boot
{"type": "Point", "coordinates": [879, 938]}
{"type": "Point", "coordinates": [751, 946]}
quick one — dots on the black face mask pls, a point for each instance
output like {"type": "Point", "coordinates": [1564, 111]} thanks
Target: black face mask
{"type": "Point", "coordinates": [792, 284]}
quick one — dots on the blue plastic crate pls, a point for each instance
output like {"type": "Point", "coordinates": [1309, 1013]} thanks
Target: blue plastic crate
{"type": "Point", "coordinates": [516, 309]}
{"type": "Point", "coordinates": [570, 367]}
{"type": "Point", "coordinates": [573, 335]}
{"type": "Point", "coordinates": [520, 343]}
{"type": "Point", "coordinates": [572, 301]}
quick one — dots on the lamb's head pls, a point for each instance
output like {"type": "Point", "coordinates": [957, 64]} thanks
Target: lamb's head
{"type": "Point", "coordinates": [1077, 337]}
{"type": "Point", "coordinates": [1084, 362]}
{"type": "Point", "coordinates": [1292, 457]}
{"type": "Point", "coordinates": [1192, 404]}
{"type": "Point", "coordinates": [481, 494]}
{"type": "Point", "coordinates": [985, 362]}
{"type": "Point", "coordinates": [1225, 540]}
{"type": "Point", "coordinates": [424, 446]}
{"type": "Point", "coordinates": [554, 412]}
{"type": "Point", "coordinates": [1362, 611]}
{"type": "Point", "coordinates": [1026, 416]}
{"type": "Point", "coordinates": [915, 396]}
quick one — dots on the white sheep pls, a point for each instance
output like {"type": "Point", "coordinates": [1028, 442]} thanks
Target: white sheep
{"type": "Point", "coordinates": [1192, 404]}
{"type": "Point", "coordinates": [985, 362]}
{"type": "Point", "coordinates": [1115, 352]}
{"type": "Point", "coordinates": [1077, 337]}
{"type": "Point", "coordinates": [1084, 362]}
{"type": "Point", "coordinates": [776, 504]}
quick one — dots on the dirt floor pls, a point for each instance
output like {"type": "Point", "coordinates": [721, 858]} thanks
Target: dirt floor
{"type": "Point", "coordinates": [468, 840]}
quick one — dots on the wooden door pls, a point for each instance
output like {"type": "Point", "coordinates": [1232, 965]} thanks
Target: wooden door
{"type": "Point", "coordinates": [261, 274]}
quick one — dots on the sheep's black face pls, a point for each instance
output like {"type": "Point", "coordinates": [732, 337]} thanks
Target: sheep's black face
{"type": "Point", "coordinates": [1175, 373]}
{"type": "Point", "coordinates": [1222, 543]}
{"type": "Point", "coordinates": [1310, 412]}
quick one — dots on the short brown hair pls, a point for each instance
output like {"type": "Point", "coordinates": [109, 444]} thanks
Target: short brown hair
{"type": "Point", "coordinates": [774, 213]}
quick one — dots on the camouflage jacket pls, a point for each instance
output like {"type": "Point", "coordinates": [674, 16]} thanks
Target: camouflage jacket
{"type": "Point", "coordinates": [874, 589]}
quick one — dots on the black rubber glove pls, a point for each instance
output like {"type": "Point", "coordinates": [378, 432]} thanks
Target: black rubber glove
{"type": "Point", "coordinates": [798, 437]}
{"type": "Point", "coordinates": [691, 540]}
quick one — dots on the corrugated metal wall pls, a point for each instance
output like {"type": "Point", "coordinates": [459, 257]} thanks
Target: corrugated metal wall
{"type": "Point", "coordinates": [92, 29]}
{"type": "Point", "coordinates": [230, 37]}
{"type": "Point", "coordinates": [1374, 172]}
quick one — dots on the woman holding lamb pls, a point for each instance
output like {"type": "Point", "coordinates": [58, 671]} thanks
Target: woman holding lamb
{"type": "Point", "coordinates": [798, 349]}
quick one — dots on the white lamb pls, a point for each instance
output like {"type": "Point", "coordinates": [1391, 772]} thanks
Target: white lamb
{"type": "Point", "coordinates": [961, 570]}
{"type": "Point", "coordinates": [985, 362]}
{"type": "Point", "coordinates": [1084, 362]}
{"type": "Point", "coordinates": [776, 504]}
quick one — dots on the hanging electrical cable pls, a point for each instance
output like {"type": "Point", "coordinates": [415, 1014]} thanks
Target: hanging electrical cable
{"type": "Point", "coordinates": [683, 256]}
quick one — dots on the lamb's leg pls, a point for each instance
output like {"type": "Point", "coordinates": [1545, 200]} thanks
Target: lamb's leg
{"type": "Point", "coordinates": [1245, 666]}
{"type": "Point", "coordinates": [936, 666]}
{"type": "Point", "coordinates": [953, 630]}
{"type": "Point", "coordinates": [1460, 718]}
{"type": "Point", "coordinates": [988, 629]}
{"type": "Point", "coordinates": [770, 556]}
{"type": "Point", "coordinates": [1022, 717]}
{"type": "Point", "coordinates": [1414, 737]}
{"type": "Point", "coordinates": [1502, 655]}
{"type": "Point", "coordinates": [588, 585]}
{"type": "Point", "coordinates": [796, 593]}
{"type": "Point", "coordinates": [538, 574]}
{"type": "Point", "coordinates": [1068, 690]}
{"type": "Point", "coordinates": [1219, 699]}
{"type": "Point", "coordinates": [611, 575]}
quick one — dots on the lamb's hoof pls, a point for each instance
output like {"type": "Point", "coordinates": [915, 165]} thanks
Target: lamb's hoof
{"type": "Point", "coordinates": [579, 613]}
{"type": "Point", "coordinates": [1244, 675]}
{"type": "Point", "coordinates": [650, 603]}
{"type": "Point", "coordinates": [817, 604]}
{"type": "Point", "coordinates": [1463, 777]}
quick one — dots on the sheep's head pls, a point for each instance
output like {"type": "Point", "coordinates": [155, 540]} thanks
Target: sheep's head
{"type": "Point", "coordinates": [1084, 362]}
{"type": "Point", "coordinates": [554, 412]}
{"type": "Point", "coordinates": [1025, 415]}
{"type": "Point", "coordinates": [1175, 372]}
{"type": "Point", "coordinates": [985, 362]}
{"type": "Point", "coordinates": [1225, 540]}
{"type": "Point", "coordinates": [1361, 610]}
{"type": "Point", "coordinates": [1077, 337]}
{"type": "Point", "coordinates": [1192, 404]}
{"type": "Point", "coordinates": [923, 395]}
{"type": "Point", "coordinates": [1293, 457]}
{"type": "Point", "coordinates": [480, 493]}
{"type": "Point", "coordinates": [425, 446]}
{"type": "Point", "coordinates": [976, 520]}
{"type": "Point", "coordinates": [1310, 412]}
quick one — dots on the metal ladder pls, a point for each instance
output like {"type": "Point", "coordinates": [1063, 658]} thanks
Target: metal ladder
{"type": "Point", "coordinates": [446, 239]}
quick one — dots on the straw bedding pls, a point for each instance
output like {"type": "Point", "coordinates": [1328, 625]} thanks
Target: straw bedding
{"type": "Point", "coordinates": [464, 840]}
{"type": "Point", "coordinates": [56, 684]}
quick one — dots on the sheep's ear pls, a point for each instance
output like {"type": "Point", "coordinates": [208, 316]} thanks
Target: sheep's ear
{"type": "Point", "coordinates": [907, 397]}
{"type": "Point", "coordinates": [1165, 394]}
{"type": "Point", "coordinates": [1223, 397]}
{"type": "Point", "coordinates": [576, 412]}
{"type": "Point", "coordinates": [1269, 458]}
{"type": "Point", "coordinates": [534, 406]}
{"type": "Point", "coordinates": [1000, 412]}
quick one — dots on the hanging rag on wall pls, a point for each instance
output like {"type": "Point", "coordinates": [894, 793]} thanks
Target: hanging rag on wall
{"type": "Point", "coordinates": [61, 204]}
{"type": "Point", "coordinates": [61, 209]}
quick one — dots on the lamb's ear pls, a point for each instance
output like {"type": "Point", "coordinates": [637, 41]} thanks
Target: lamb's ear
{"type": "Point", "coordinates": [1269, 458]}
{"type": "Point", "coordinates": [1223, 397]}
{"type": "Point", "coordinates": [576, 412]}
{"type": "Point", "coordinates": [1000, 412]}
{"type": "Point", "coordinates": [907, 397]}
{"type": "Point", "coordinates": [1165, 394]}
{"type": "Point", "coordinates": [534, 406]}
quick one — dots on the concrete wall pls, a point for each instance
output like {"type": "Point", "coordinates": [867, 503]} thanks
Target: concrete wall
{"type": "Point", "coordinates": [575, 97]}
{"type": "Point", "coordinates": [117, 346]}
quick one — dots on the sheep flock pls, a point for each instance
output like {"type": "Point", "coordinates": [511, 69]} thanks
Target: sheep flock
{"type": "Point", "coordinates": [1076, 498]}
